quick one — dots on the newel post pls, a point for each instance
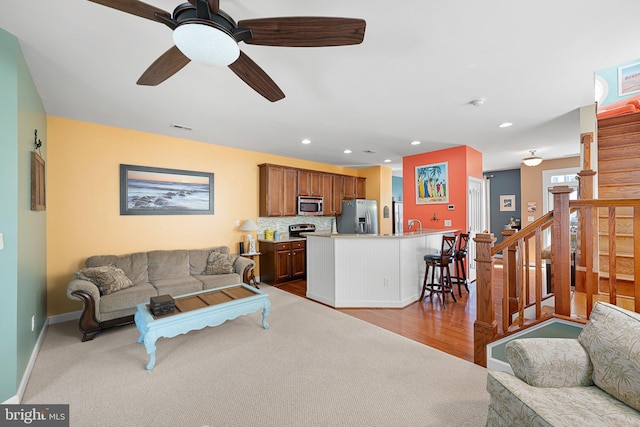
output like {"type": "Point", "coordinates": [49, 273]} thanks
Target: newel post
{"type": "Point", "coordinates": [485, 327]}
{"type": "Point", "coordinates": [561, 250]}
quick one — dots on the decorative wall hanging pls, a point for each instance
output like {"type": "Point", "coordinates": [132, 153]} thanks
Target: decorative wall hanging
{"type": "Point", "coordinates": [38, 194]}
{"type": "Point", "coordinates": [432, 183]}
{"type": "Point", "coordinates": [157, 191]}
{"type": "Point", "coordinates": [629, 79]}
{"type": "Point", "coordinates": [507, 203]}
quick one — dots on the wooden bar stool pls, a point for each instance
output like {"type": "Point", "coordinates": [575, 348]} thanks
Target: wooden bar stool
{"type": "Point", "coordinates": [459, 257]}
{"type": "Point", "coordinates": [442, 262]}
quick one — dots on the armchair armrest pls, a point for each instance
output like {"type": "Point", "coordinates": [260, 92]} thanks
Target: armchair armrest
{"type": "Point", "coordinates": [550, 362]}
{"type": "Point", "coordinates": [243, 266]}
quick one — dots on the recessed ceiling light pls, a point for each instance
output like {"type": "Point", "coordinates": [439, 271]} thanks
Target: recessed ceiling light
{"type": "Point", "coordinates": [416, 143]}
{"type": "Point", "coordinates": [306, 141]}
{"type": "Point", "coordinates": [387, 160]}
{"type": "Point", "coordinates": [505, 125]}
{"type": "Point", "coordinates": [347, 151]}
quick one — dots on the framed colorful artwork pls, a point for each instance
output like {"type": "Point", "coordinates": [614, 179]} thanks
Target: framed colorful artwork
{"type": "Point", "coordinates": [432, 183]}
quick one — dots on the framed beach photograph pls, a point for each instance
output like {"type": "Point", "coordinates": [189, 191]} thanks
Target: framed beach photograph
{"type": "Point", "coordinates": [432, 183]}
{"type": "Point", "coordinates": [508, 203]}
{"type": "Point", "coordinates": [629, 79]}
{"type": "Point", "coordinates": [157, 191]}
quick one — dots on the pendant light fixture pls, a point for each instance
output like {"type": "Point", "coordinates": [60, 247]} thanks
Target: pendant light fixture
{"type": "Point", "coordinates": [532, 160]}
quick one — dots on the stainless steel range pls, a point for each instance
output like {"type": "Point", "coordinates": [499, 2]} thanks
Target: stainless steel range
{"type": "Point", "coordinates": [295, 230]}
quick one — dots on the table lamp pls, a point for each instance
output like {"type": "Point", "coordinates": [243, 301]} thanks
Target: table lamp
{"type": "Point", "coordinates": [249, 225]}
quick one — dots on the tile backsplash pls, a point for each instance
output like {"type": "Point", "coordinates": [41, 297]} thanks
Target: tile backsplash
{"type": "Point", "coordinates": [322, 223]}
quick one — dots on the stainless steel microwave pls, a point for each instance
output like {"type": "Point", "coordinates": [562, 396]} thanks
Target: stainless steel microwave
{"type": "Point", "coordinates": [309, 205]}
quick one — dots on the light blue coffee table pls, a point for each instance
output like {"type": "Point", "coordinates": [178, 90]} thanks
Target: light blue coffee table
{"type": "Point", "coordinates": [197, 311]}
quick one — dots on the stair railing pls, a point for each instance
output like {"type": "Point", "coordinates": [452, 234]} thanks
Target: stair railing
{"type": "Point", "coordinates": [517, 260]}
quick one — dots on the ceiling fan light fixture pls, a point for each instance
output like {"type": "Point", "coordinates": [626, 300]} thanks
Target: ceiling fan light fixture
{"type": "Point", "coordinates": [206, 43]}
{"type": "Point", "coordinates": [532, 160]}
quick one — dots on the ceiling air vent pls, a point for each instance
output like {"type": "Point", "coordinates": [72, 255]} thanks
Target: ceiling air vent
{"type": "Point", "coordinates": [177, 126]}
{"type": "Point", "coordinates": [369, 152]}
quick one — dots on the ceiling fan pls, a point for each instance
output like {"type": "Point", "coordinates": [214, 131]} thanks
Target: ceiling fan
{"type": "Point", "coordinates": [202, 32]}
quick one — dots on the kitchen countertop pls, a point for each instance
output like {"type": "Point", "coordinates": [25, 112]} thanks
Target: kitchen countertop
{"type": "Point", "coordinates": [425, 232]}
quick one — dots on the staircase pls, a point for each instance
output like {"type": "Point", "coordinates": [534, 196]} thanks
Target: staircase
{"type": "Point", "coordinates": [522, 304]}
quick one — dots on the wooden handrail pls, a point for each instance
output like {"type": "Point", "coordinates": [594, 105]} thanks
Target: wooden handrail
{"type": "Point", "coordinates": [526, 231]}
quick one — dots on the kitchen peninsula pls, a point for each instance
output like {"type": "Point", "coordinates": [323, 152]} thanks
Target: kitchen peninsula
{"type": "Point", "coordinates": [365, 270]}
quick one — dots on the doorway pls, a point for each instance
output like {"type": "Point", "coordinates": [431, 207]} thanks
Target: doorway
{"type": "Point", "coordinates": [476, 220]}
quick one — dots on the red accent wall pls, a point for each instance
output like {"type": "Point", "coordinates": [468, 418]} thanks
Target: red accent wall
{"type": "Point", "coordinates": [463, 161]}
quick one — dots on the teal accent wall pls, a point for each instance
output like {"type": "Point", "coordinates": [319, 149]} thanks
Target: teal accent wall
{"type": "Point", "coordinates": [610, 76]}
{"type": "Point", "coordinates": [23, 259]}
{"type": "Point", "coordinates": [396, 188]}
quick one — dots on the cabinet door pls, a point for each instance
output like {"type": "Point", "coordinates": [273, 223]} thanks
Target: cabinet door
{"type": "Point", "coordinates": [297, 263]}
{"type": "Point", "coordinates": [315, 183]}
{"type": "Point", "coordinates": [271, 190]}
{"type": "Point", "coordinates": [304, 183]}
{"type": "Point", "coordinates": [361, 188]}
{"type": "Point", "coordinates": [349, 187]}
{"type": "Point", "coordinates": [327, 195]}
{"type": "Point", "coordinates": [338, 193]}
{"type": "Point", "coordinates": [283, 266]}
{"type": "Point", "coordinates": [290, 192]}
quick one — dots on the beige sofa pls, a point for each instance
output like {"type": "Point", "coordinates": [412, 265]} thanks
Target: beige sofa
{"type": "Point", "coordinates": [110, 286]}
{"type": "Point", "coordinates": [593, 380]}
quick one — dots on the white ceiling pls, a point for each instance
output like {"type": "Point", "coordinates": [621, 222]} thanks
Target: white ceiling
{"type": "Point", "coordinates": [420, 65]}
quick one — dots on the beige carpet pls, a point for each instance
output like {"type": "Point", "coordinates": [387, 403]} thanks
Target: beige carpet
{"type": "Point", "coordinates": [314, 367]}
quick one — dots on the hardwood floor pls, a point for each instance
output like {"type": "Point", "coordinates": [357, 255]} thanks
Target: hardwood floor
{"type": "Point", "coordinates": [448, 329]}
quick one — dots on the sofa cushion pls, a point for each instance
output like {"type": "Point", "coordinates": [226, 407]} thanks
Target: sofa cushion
{"type": "Point", "coordinates": [218, 263]}
{"type": "Point", "coordinates": [612, 338]}
{"type": "Point", "coordinates": [177, 286]}
{"type": "Point", "coordinates": [213, 281]}
{"type": "Point", "coordinates": [130, 297]}
{"type": "Point", "coordinates": [198, 258]}
{"type": "Point", "coordinates": [134, 265]}
{"type": "Point", "coordinates": [108, 278]}
{"type": "Point", "coordinates": [515, 403]}
{"type": "Point", "coordinates": [168, 264]}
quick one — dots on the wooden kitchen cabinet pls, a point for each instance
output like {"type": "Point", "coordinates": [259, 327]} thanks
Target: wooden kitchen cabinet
{"type": "Point", "coordinates": [310, 183]}
{"type": "Point", "coordinates": [327, 195]}
{"type": "Point", "coordinates": [282, 261]}
{"type": "Point", "coordinates": [349, 187]}
{"type": "Point", "coordinates": [338, 193]}
{"type": "Point", "coordinates": [361, 188]}
{"type": "Point", "coordinates": [278, 191]}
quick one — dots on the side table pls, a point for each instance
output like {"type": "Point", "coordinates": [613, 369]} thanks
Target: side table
{"type": "Point", "coordinates": [252, 276]}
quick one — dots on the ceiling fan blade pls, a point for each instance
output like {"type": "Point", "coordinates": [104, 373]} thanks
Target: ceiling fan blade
{"type": "Point", "coordinates": [305, 31]}
{"type": "Point", "coordinates": [135, 7]}
{"type": "Point", "coordinates": [164, 67]}
{"type": "Point", "coordinates": [254, 76]}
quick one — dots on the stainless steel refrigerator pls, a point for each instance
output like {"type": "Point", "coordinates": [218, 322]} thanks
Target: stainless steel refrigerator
{"type": "Point", "coordinates": [358, 217]}
{"type": "Point", "coordinates": [397, 217]}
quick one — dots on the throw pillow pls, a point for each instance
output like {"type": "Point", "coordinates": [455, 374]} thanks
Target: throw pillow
{"type": "Point", "coordinates": [218, 263]}
{"type": "Point", "coordinates": [108, 278]}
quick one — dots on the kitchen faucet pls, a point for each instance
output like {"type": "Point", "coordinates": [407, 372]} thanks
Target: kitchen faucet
{"type": "Point", "coordinates": [412, 222]}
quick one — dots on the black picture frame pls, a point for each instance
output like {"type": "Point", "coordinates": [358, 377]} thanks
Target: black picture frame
{"type": "Point", "coordinates": [148, 190]}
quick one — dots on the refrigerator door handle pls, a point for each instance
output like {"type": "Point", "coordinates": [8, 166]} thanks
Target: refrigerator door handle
{"type": "Point", "coordinates": [367, 217]}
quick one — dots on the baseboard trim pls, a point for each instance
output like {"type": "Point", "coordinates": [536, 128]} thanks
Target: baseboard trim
{"type": "Point", "coordinates": [32, 360]}
{"type": "Point", "coordinates": [64, 317]}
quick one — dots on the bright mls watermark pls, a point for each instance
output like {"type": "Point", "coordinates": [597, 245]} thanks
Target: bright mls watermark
{"type": "Point", "coordinates": [34, 415]}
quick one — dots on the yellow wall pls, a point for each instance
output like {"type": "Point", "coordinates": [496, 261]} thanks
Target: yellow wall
{"type": "Point", "coordinates": [379, 183]}
{"type": "Point", "coordinates": [83, 199]}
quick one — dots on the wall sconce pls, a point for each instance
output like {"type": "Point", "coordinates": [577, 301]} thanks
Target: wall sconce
{"type": "Point", "coordinates": [435, 218]}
